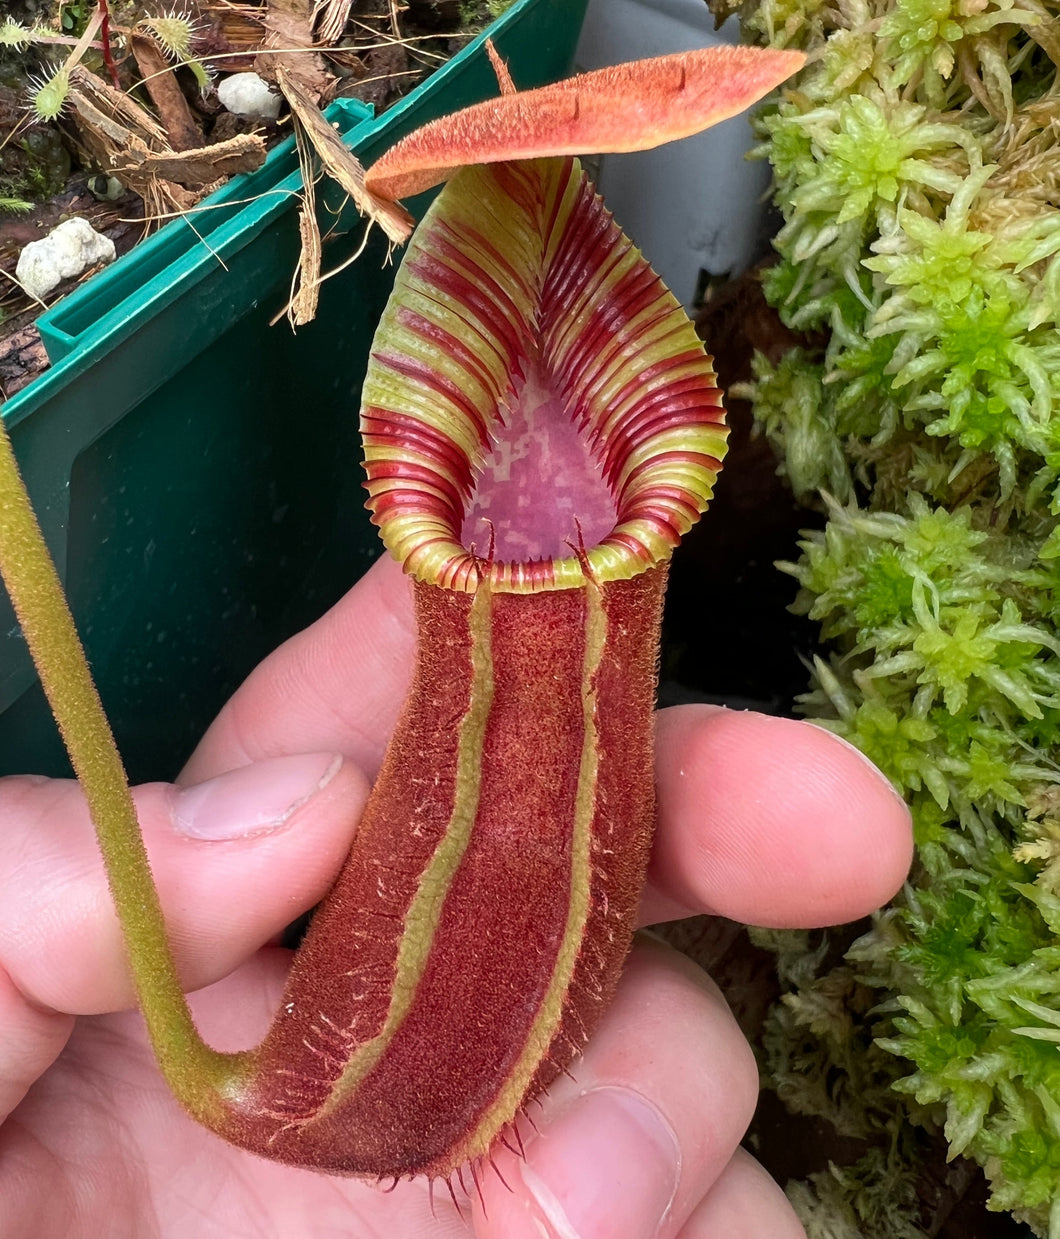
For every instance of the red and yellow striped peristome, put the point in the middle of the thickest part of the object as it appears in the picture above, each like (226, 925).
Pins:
(523, 284)
(533, 387)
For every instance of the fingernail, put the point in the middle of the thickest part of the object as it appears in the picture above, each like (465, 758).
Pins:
(605, 1167)
(254, 798)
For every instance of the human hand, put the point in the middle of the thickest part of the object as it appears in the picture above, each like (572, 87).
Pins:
(764, 820)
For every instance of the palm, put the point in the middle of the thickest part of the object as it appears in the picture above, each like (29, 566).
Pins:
(119, 1146)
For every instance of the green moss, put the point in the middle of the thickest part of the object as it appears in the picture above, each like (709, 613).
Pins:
(875, 1198)
(916, 168)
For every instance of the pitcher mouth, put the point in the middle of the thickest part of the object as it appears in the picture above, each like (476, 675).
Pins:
(538, 407)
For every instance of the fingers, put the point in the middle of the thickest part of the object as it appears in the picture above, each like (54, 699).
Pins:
(337, 686)
(762, 819)
(235, 860)
(102, 1125)
(30, 1041)
(770, 821)
(745, 1203)
(655, 1110)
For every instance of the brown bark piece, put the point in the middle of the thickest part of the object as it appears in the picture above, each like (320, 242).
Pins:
(126, 141)
(113, 112)
(290, 25)
(162, 85)
(236, 31)
(340, 163)
(22, 358)
(303, 307)
(119, 136)
(195, 169)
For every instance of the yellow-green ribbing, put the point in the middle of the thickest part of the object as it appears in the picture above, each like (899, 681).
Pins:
(425, 910)
(550, 1014)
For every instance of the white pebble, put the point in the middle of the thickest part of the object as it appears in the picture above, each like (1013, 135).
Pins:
(70, 248)
(246, 94)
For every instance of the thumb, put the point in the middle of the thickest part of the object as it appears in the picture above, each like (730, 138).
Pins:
(235, 859)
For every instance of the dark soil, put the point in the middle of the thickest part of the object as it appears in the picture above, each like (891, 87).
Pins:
(729, 635)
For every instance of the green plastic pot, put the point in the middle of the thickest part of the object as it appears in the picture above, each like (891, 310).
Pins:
(195, 470)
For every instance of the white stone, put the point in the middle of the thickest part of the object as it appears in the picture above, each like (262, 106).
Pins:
(246, 94)
(70, 248)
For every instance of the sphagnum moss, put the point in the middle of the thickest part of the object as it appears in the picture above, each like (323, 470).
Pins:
(917, 168)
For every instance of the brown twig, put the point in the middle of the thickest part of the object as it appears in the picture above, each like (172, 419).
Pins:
(172, 107)
(395, 24)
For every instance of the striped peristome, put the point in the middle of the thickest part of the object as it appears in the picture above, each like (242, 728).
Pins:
(541, 426)
(521, 264)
